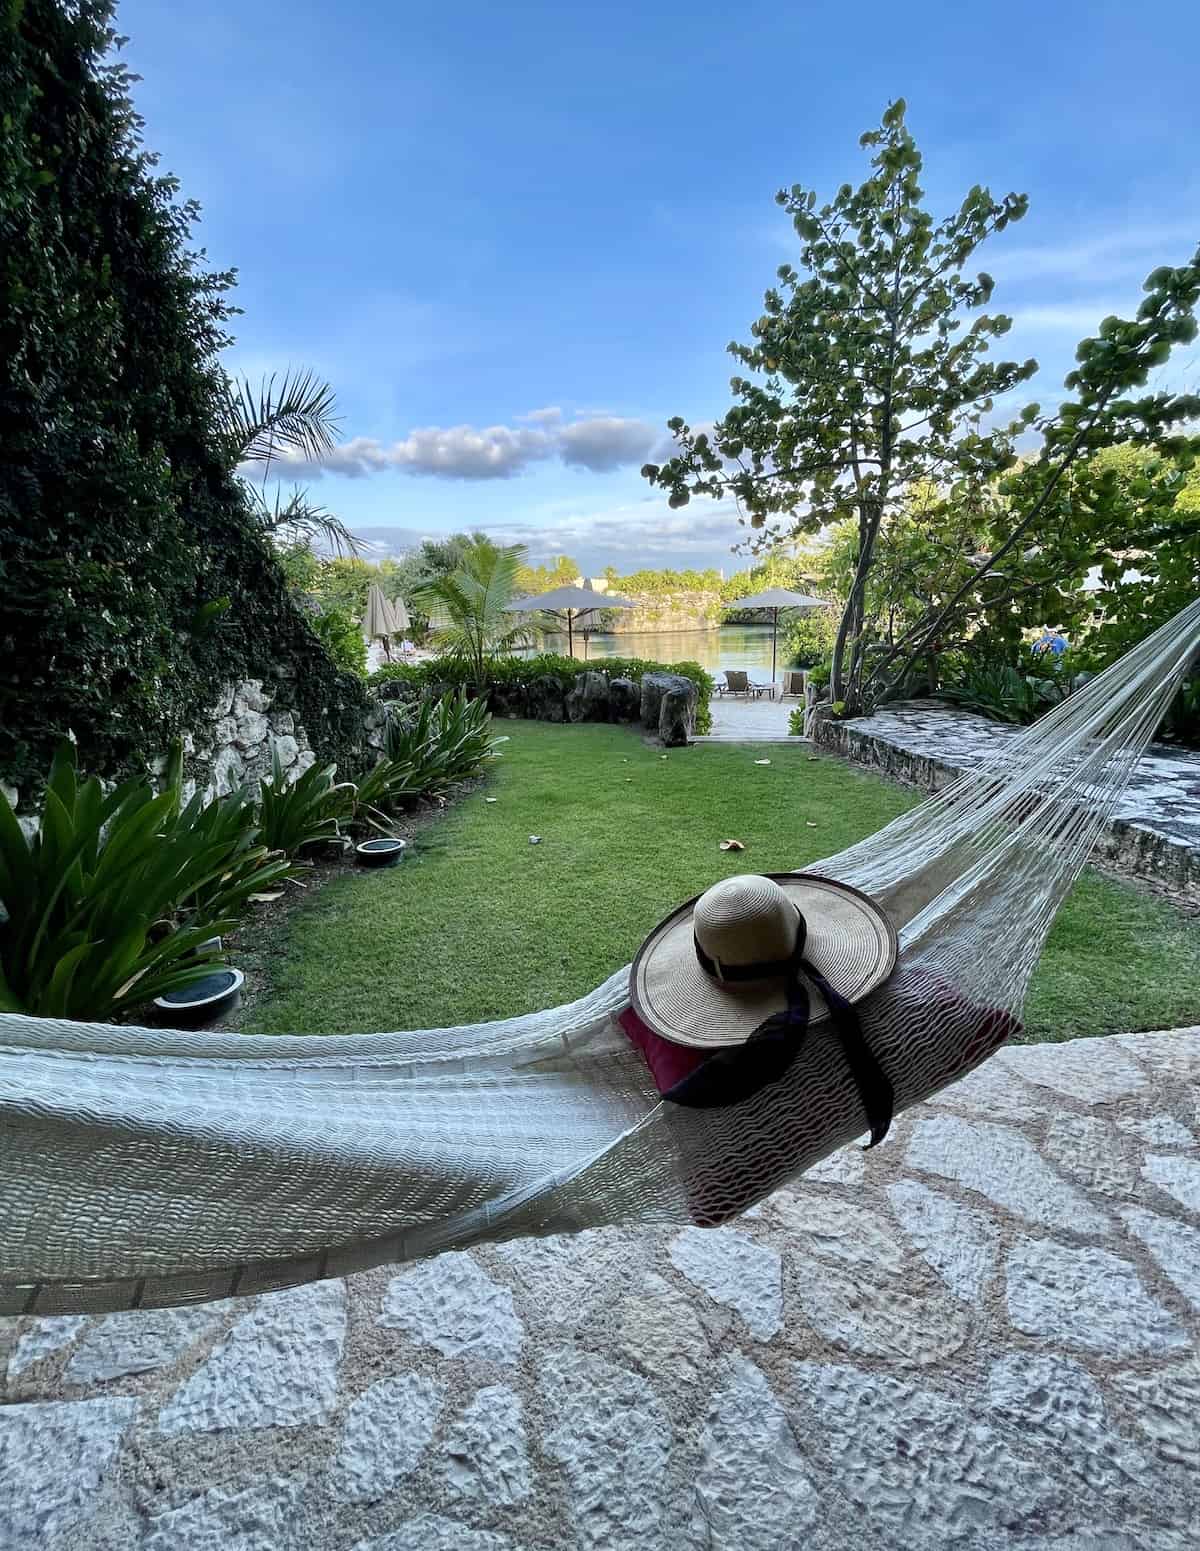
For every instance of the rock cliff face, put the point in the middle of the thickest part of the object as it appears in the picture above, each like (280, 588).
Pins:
(671, 611)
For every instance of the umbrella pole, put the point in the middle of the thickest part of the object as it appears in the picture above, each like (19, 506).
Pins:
(774, 640)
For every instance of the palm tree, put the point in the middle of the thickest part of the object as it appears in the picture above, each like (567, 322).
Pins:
(474, 597)
(294, 413)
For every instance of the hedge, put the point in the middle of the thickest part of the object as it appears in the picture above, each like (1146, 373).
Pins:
(133, 581)
(522, 670)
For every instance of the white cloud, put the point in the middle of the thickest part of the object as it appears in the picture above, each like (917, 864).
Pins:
(606, 442)
(637, 534)
(1134, 251)
(1076, 317)
(599, 443)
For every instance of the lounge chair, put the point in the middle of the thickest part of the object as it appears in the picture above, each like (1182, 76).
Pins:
(793, 683)
(737, 682)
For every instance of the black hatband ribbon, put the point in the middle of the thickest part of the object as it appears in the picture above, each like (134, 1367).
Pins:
(739, 1071)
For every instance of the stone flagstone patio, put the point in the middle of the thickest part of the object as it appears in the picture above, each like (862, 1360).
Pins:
(1154, 832)
(982, 1334)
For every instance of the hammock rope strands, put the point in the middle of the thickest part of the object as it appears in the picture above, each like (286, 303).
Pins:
(144, 1168)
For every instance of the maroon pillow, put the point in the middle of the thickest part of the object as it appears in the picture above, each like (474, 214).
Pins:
(668, 1063)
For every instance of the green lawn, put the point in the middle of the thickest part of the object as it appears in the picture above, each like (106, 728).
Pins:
(482, 924)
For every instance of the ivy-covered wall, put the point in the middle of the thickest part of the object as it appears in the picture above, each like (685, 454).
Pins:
(133, 583)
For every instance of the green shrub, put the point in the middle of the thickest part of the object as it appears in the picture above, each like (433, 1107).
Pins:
(503, 672)
(810, 638)
(107, 905)
(1005, 692)
(310, 809)
(442, 742)
(227, 826)
(338, 632)
(796, 722)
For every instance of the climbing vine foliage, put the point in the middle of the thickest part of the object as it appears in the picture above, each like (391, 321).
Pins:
(132, 582)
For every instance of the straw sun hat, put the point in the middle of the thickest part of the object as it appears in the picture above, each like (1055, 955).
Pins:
(715, 969)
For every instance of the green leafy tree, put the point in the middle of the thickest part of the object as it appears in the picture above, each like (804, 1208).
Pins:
(474, 597)
(340, 634)
(544, 578)
(873, 379)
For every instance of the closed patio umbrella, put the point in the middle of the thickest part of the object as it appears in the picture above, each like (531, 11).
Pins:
(776, 598)
(568, 603)
(383, 618)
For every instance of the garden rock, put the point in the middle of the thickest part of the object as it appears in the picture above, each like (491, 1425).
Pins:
(624, 700)
(547, 695)
(509, 700)
(588, 701)
(654, 687)
(677, 716)
(397, 689)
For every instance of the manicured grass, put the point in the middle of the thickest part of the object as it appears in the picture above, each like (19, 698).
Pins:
(482, 924)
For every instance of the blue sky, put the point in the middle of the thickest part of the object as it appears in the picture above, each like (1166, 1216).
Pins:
(517, 238)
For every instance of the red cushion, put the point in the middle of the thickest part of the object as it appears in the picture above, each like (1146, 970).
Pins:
(668, 1063)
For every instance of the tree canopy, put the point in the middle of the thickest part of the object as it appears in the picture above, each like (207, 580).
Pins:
(873, 390)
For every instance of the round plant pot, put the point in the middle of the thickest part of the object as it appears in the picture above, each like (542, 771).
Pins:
(204, 1000)
(384, 852)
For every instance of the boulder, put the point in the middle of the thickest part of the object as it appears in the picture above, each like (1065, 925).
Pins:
(397, 689)
(588, 701)
(654, 687)
(283, 723)
(624, 700)
(508, 700)
(677, 716)
(547, 698)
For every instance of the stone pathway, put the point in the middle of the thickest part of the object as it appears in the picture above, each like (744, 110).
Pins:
(737, 720)
(981, 1334)
(1156, 829)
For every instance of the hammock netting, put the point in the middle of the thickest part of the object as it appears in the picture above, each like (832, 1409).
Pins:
(144, 1167)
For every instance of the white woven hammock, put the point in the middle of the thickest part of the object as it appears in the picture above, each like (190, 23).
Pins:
(141, 1167)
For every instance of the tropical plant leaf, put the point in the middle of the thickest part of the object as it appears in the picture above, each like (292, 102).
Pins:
(292, 413)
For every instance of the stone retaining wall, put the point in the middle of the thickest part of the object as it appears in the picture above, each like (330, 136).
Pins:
(232, 747)
(1155, 833)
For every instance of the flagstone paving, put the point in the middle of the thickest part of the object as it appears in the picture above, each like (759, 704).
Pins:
(981, 1334)
(1155, 830)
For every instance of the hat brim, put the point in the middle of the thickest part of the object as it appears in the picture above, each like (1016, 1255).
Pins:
(851, 942)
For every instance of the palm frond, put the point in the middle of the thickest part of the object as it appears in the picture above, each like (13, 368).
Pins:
(292, 413)
(297, 519)
(475, 596)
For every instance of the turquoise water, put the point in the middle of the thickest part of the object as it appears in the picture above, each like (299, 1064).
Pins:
(731, 646)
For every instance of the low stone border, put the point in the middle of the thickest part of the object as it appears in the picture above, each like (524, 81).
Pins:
(1155, 833)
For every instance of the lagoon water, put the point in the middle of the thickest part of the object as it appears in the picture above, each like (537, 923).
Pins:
(730, 646)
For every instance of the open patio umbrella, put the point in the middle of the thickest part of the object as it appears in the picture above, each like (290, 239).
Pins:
(776, 598)
(568, 604)
(383, 618)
